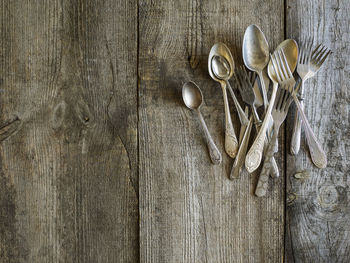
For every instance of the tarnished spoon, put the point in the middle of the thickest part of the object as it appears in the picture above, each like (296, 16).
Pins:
(221, 67)
(193, 98)
(256, 54)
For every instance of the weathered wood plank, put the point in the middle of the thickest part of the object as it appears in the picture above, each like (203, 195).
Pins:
(190, 211)
(318, 213)
(68, 188)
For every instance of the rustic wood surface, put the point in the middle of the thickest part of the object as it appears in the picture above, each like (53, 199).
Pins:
(318, 202)
(190, 211)
(101, 162)
(68, 174)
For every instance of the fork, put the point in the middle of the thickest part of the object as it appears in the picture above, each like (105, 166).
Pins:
(285, 76)
(244, 83)
(246, 90)
(279, 113)
(308, 65)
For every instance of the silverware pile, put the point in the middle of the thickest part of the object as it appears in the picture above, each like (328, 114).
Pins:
(249, 81)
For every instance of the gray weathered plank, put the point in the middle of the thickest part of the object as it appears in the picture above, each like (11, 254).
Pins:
(68, 188)
(189, 210)
(318, 213)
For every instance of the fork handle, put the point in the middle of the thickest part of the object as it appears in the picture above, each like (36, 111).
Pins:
(295, 142)
(261, 187)
(318, 156)
(274, 168)
(253, 158)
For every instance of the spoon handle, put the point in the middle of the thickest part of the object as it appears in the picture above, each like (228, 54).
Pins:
(318, 156)
(263, 89)
(231, 143)
(239, 161)
(295, 141)
(254, 155)
(214, 153)
(241, 114)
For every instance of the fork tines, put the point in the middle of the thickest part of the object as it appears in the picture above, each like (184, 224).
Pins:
(320, 54)
(305, 50)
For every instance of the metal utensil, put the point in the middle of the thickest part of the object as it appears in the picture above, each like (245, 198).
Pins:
(279, 113)
(308, 64)
(222, 70)
(219, 49)
(254, 156)
(245, 88)
(287, 81)
(193, 98)
(244, 84)
(256, 54)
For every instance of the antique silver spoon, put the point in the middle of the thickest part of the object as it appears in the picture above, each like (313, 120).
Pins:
(221, 67)
(193, 98)
(256, 54)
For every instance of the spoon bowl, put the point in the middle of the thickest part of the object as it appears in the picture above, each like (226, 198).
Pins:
(192, 95)
(220, 63)
(290, 49)
(221, 67)
(255, 49)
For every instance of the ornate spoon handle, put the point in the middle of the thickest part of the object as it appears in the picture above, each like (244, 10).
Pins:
(254, 155)
(231, 143)
(295, 142)
(214, 153)
(318, 156)
(261, 187)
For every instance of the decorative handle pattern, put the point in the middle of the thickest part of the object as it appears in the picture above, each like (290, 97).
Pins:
(231, 143)
(274, 168)
(261, 187)
(318, 156)
(254, 155)
(237, 165)
(214, 153)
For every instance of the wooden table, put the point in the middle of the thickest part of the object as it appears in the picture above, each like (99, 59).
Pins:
(101, 162)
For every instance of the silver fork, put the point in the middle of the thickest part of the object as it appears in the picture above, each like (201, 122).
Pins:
(317, 154)
(246, 90)
(308, 65)
(279, 113)
(244, 83)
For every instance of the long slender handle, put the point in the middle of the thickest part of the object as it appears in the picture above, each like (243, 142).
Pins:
(261, 187)
(318, 156)
(241, 114)
(254, 155)
(214, 153)
(239, 161)
(231, 143)
(263, 89)
(295, 142)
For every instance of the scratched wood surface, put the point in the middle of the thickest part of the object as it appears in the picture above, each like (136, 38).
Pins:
(68, 178)
(318, 207)
(189, 210)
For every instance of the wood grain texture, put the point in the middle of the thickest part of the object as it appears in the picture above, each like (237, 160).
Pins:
(318, 208)
(68, 152)
(189, 210)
